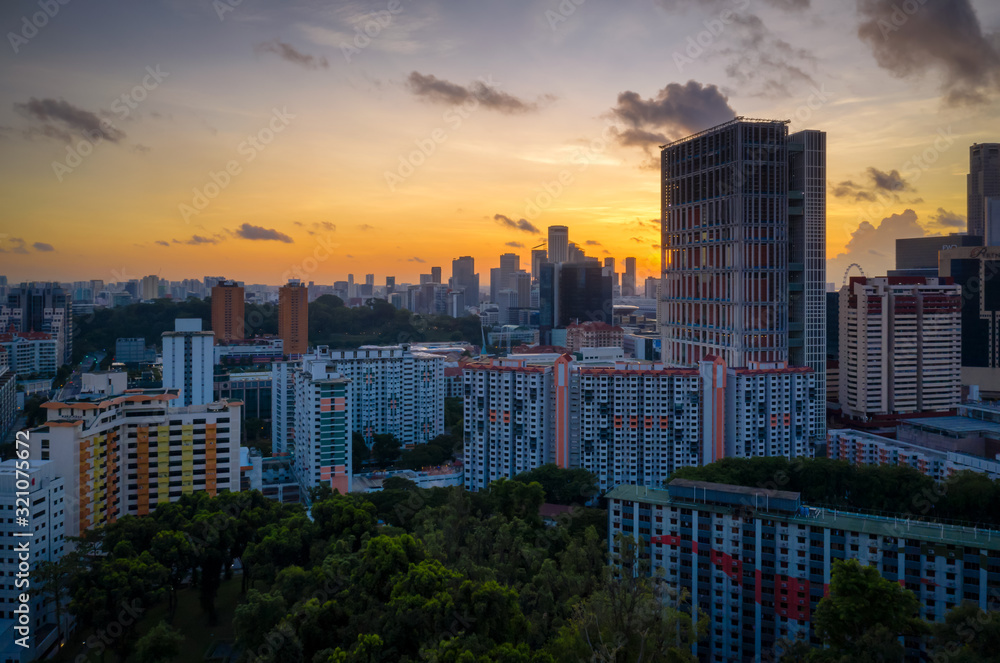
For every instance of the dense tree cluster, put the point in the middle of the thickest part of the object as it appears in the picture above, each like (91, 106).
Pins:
(330, 323)
(903, 491)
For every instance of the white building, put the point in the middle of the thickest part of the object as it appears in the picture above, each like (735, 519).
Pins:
(108, 383)
(269, 348)
(900, 346)
(771, 411)
(321, 441)
(126, 454)
(393, 390)
(31, 353)
(47, 506)
(188, 362)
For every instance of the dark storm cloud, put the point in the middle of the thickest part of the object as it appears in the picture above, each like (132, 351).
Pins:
(949, 219)
(676, 111)
(937, 35)
(289, 53)
(520, 224)
(249, 231)
(58, 119)
(879, 184)
(438, 90)
(43, 246)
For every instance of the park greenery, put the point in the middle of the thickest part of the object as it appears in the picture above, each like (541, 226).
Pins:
(442, 575)
(330, 323)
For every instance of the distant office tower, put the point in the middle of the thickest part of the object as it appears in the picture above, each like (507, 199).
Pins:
(609, 270)
(435, 275)
(520, 282)
(983, 182)
(392, 390)
(558, 246)
(900, 346)
(651, 287)
(124, 456)
(574, 253)
(571, 293)
(41, 307)
(322, 427)
(293, 316)
(918, 256)
(188, 362)
(370, 280)
(509, 263)
(149, 287)
(228, 321)
(628, 278)
(496, 284)
(464, 277)
(390, 285)
(538, 256)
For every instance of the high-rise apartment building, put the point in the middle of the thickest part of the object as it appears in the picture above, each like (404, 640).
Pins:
(628, 278)
(42, 497)
(392, 390)
(126, 454)
(900, 346)
(322, 427)
(31, 353)
(465, 278)
(757, 562)
(189, 362)
(744, 224)
(293, 316)
(983, 182)
(558, 244)
(41, 307)
(628, 421)
(228, 320)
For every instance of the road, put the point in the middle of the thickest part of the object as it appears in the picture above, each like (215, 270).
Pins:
(73, 385)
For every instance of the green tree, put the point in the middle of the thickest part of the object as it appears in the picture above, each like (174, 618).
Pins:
(360, 453)
(257, 617)
(160, 644)
(562, 486)
(173, 550)
(864, 616)
(385, 449)
(967, 635)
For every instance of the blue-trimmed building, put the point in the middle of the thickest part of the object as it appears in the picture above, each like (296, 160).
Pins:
(758, 561)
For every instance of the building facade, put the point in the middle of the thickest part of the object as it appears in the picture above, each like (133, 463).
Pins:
(757, 562)
(293, 317)
(188, 362)
(126, 454)
(558, 244)
(322, 427)
(41, 307)
(900, 349)
(983, 183)
(32, 353)
(593, 335)
(228, 318)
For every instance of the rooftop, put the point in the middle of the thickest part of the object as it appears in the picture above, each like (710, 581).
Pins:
(829, 518)
(954, 425)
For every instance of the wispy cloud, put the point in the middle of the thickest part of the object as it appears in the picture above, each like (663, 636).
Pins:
(59, 119)
(521, 224)
(249, 231)
(291, 54)
(438, 90)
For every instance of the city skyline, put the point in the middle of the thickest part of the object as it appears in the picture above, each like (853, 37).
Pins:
(550, 133)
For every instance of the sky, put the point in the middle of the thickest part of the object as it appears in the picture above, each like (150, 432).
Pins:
(263, 140)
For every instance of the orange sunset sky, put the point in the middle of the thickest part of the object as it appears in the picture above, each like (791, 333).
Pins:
(505, 97)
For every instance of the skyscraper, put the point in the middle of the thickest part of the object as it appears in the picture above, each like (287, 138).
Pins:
(983, 182)
(628, 278)
(390, 285)
(227, 312)
(293, 317)
(435, 275)
(736, 203)
(188, 362)
(509, 263)
(538, 256)
(558, 247)
(464, 277)
(571, 293)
